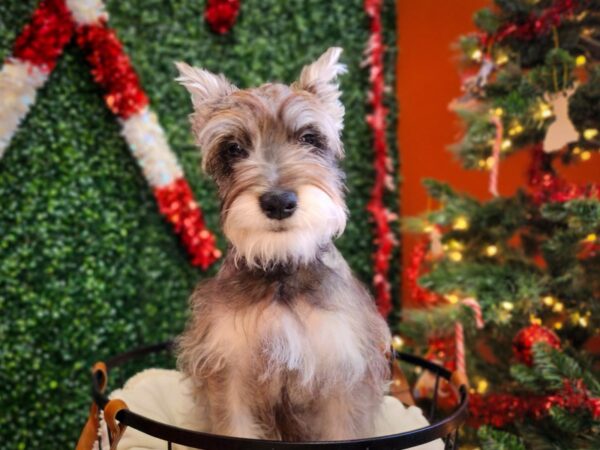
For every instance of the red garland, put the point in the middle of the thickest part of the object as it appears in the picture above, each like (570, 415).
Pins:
(500, 410)
(176, 202)
(547, 186)
(384, 238)
(42, 40)
(112, 69)
(414, 270)
(221, 14)
(534, 26)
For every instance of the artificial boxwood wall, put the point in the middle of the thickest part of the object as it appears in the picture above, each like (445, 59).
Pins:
(87, 266)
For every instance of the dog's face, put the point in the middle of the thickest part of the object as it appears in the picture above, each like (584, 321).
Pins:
(273, 152)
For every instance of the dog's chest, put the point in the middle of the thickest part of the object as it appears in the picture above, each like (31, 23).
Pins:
(310, 342)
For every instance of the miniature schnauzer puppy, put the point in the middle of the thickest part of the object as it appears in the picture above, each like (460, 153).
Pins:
(284, 343)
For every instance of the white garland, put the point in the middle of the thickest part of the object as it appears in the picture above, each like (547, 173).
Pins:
(87, 12)
(148, 144)
(19, 81)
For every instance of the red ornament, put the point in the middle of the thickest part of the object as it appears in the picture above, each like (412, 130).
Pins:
(527, 337)
(221, 14)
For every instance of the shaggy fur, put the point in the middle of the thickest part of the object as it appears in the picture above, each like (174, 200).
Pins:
(284, 339)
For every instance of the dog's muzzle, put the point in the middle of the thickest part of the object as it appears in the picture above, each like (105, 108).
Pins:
(278, 204)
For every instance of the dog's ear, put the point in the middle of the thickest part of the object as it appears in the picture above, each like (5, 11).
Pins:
(320, 78)
(203, 85)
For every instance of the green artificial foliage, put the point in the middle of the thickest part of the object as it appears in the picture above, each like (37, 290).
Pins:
(531, 259)
(88, 268)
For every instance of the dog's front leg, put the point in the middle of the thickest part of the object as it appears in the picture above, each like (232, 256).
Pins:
(230, 402)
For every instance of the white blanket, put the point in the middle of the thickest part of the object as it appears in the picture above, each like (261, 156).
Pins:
(165, 396)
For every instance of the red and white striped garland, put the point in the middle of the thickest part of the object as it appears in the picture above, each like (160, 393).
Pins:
(34, 56)
(384, 239)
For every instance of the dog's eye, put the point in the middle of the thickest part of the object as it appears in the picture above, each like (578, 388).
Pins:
(235, 151)
(312, 139)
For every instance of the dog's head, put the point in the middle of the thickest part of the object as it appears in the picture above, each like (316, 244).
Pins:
(273, 152)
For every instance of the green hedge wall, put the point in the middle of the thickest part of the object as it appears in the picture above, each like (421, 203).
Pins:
(87, 266)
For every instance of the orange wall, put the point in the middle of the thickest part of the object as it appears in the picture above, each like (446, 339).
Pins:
(427, 79)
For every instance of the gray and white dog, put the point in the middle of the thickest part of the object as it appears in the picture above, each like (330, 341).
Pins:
(284, 342)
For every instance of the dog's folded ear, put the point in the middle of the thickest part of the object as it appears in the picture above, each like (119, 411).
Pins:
(203, 85)
(320, 77)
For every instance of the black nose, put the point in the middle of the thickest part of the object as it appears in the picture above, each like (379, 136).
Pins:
(278, 204)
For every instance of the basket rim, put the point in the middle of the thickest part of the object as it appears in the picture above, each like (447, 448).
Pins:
(209, 441)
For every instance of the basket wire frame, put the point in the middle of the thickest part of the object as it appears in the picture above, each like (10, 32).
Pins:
(445, 429)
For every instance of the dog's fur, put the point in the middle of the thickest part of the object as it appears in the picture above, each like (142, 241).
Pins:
(286, 343)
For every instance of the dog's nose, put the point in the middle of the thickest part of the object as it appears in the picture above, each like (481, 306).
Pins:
(278, 204)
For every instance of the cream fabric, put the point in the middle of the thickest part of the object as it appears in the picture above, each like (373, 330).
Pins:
(165, 396)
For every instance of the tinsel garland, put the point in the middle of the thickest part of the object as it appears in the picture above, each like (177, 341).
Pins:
(500, 409)
(220, 15)
(384, 237)
(547, 186)
(414, 270)
(35, 53)
(534, 26)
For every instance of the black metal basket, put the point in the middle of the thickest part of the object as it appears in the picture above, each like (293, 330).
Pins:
(446, 428)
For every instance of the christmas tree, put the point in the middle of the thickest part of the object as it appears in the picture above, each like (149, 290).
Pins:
(509, 288)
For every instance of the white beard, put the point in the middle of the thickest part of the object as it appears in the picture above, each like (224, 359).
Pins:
(263, 242)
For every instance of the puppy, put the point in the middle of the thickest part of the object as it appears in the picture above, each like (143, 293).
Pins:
(284, 342)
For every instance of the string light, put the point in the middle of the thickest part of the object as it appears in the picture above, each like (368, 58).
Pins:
(544, 111)
(580, 60)
(585, 155)
(491, 250)
(455, 256)
(509, 306)
(460, 223)
(515, 128)
(576, 151)
(591, 237)
(534, 320)
(501, 58)
(428, 228)
(453, 244)
(452, 298)
(558, 307)
(506, 144)
(548, 300)
(489, 162)
(590, 133)
(397, 342)
(476, 54)
(481, 163)
(482, 386)
(558, 326)
(498, 112)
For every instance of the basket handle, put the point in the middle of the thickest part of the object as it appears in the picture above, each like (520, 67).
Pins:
(116, 428)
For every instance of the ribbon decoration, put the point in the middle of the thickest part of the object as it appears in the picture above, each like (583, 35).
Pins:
(35, 53)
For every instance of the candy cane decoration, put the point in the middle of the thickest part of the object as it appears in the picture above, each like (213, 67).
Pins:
(459, 334)
(36, 51)
(493, 188)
